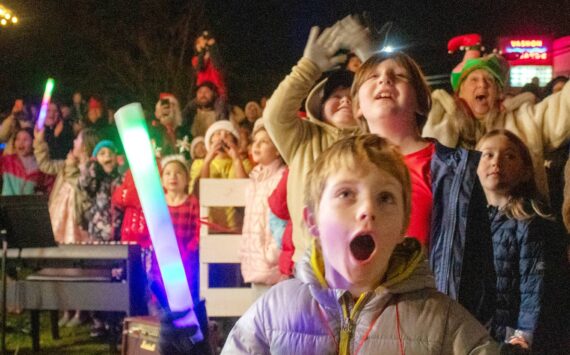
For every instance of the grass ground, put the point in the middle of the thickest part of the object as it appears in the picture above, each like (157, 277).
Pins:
(72, 340)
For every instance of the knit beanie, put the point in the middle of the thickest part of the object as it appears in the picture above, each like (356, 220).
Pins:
(94, 103)
(494, 64)
(257, 126)
(105, 143)
(195, 142)
(218, 125)
(324, 89)
(338, 79)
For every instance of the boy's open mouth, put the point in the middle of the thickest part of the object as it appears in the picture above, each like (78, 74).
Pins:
(362, 247)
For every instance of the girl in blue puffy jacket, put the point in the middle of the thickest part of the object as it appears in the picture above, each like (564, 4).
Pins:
(527, 246)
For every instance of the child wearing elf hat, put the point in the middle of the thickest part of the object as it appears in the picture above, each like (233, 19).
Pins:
(477, 106)
(222, 161)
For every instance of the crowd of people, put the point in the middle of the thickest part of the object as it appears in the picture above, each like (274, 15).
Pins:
(377, 206)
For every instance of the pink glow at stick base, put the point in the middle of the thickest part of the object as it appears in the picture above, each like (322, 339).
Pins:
(45, 103)
(134, 135)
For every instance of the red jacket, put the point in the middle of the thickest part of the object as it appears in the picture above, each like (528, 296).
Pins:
(206, 70)
(133, 228)
(278, 206)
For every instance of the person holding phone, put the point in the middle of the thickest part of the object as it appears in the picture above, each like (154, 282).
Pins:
(167, 130)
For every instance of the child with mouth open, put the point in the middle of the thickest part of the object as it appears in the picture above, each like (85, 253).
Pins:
(362, 287)
(392, 99)
(97, 179)
(20, 172)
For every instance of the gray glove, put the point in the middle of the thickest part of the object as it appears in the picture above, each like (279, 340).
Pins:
(321, 49)
(355, 37)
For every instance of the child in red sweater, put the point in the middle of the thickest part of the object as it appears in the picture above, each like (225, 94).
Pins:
(185, 214)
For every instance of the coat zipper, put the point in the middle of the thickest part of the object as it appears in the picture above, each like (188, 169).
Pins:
(349, 324)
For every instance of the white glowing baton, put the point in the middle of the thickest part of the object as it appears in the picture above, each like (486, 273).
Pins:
(45, 103)
(134, 135)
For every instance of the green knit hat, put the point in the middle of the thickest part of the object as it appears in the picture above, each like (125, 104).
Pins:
(492, 63)
(105, 143)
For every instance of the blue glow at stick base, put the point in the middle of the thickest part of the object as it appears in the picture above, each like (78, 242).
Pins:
(134, 135)
(45, 103)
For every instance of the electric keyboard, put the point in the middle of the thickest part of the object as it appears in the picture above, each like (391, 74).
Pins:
(78, 276)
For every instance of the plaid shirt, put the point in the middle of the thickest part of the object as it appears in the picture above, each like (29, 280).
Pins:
(186, 222)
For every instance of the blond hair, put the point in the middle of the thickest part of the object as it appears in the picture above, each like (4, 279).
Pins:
(417, 80)
(90, 138)
(352, 153)
(524, 201)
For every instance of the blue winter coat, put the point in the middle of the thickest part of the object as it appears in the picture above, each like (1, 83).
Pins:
(529, 262)
(461, 250)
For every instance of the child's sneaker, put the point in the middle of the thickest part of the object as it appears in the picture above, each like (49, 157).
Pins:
(98, 329)
(64, 319)
(74, 322)
(98, 332)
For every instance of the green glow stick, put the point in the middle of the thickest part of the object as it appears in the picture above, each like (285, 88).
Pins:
(134, 135)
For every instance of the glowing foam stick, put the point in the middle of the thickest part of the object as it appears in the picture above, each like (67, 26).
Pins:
(134, 135)
(45, 103)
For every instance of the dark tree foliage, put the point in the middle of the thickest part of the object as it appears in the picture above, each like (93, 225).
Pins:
(124, 50)
(145, 46)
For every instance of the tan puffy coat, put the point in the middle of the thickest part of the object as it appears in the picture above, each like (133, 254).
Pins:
(299, 141)
(66, 201)
(544, 126)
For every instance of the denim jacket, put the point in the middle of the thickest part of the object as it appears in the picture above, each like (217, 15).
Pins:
(461, 249)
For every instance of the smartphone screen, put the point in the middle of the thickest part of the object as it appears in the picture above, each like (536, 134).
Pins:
(19, 105)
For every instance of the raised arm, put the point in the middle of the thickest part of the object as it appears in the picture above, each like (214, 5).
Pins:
(552, 116)
(7, 127)
(280, 115)
(41, 152)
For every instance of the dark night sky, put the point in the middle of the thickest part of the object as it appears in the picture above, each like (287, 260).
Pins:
(263, 38)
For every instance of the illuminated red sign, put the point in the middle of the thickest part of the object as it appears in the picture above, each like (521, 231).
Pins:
(536, 50)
